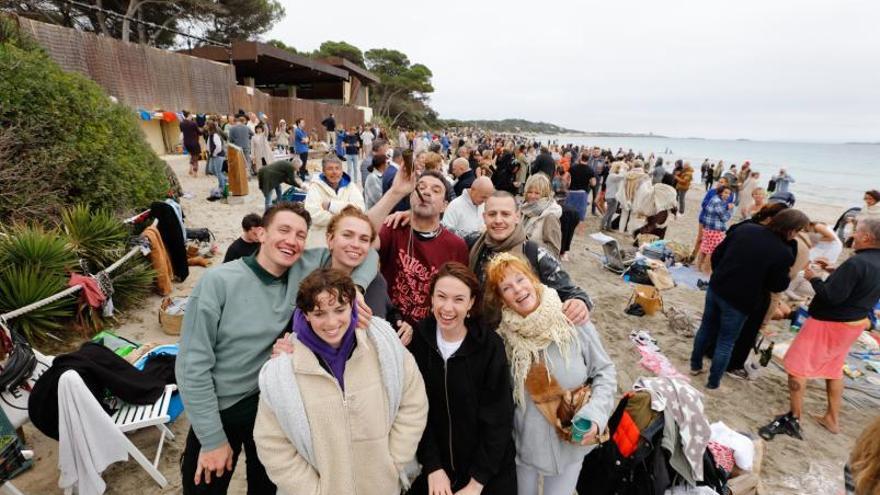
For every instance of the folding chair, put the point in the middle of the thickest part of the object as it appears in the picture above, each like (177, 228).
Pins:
(131, 417)
(616, 260)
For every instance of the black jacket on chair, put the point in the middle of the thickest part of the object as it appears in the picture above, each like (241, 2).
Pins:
(102, 371)
(470, 416)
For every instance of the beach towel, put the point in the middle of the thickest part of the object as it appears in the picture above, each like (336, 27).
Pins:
(683, 404)
(159, 260)
(88, 441)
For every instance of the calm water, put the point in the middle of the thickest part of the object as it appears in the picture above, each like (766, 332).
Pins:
(834, 174)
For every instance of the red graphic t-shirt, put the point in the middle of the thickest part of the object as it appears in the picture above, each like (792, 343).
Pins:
(408, 263)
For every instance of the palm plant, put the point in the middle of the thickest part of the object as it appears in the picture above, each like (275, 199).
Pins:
(132, 283)
(96, 236)
(23, 285)
(34, 246)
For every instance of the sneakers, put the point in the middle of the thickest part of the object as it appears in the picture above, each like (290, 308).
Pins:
(782, 425)
(702, 284)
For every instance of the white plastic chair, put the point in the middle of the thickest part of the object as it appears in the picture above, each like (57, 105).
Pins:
(131, 417)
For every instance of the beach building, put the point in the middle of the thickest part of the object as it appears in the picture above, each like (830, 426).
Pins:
(255, 77)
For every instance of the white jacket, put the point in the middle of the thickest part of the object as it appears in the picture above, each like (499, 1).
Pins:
(319, 191)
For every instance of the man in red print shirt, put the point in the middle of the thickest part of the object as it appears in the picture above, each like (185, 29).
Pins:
(410, 255)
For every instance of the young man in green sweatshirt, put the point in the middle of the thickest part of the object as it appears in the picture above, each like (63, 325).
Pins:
(233, 317)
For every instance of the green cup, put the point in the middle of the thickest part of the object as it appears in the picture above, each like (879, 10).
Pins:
(579, 428)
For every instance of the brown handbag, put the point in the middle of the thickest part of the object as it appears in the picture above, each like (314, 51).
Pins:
(556, 404)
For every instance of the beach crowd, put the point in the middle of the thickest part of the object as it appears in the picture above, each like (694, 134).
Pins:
(410, 324)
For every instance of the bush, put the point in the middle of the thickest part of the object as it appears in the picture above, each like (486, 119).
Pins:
(63, 141)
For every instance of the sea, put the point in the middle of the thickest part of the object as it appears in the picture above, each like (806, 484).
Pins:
(825, 173)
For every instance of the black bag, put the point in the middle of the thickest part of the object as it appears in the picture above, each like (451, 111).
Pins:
(203, 234)
(771, 186)
(606, 471)
(638, 273)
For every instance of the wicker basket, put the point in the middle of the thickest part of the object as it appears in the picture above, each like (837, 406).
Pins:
(170, 323)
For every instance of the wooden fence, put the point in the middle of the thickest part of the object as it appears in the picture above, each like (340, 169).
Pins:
(277, 107)
(145, 77)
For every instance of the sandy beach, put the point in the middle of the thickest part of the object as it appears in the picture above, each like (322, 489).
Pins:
(812, 466)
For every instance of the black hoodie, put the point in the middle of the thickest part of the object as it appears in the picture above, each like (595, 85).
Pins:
(470, 416)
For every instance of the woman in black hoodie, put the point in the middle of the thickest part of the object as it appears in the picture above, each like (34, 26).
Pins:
(467, 445)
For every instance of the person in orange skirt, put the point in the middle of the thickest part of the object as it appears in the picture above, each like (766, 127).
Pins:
(838, 315)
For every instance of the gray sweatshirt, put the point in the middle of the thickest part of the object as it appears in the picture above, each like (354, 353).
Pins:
(537, 444)
(233, 317)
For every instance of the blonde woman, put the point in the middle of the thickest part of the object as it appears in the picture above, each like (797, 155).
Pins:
(539, 339)
(541, 214)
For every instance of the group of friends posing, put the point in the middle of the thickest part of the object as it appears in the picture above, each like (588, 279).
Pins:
(415, 354)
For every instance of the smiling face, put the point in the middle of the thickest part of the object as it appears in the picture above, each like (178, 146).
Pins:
(349, 243)
(282, 242)
(330, 318)
(450, 302)
(501, 217)
(430, 200)
(332, 172)
(532, 195)
(517, 292)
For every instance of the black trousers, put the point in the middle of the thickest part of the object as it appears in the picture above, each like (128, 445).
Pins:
(238, 424)
(745, 343)
(304, 158)
(569, 222)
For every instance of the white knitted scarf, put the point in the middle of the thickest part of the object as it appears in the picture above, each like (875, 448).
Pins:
(526, 337)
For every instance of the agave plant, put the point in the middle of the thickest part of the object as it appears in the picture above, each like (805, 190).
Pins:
(96, 236)
(46, 250)
(23, 285)
(132, 283)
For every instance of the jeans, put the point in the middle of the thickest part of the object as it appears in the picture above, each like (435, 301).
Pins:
(681, 195)
(721, 324)
(563, 483)
(215, 166)
(610, 210)
(238, 424)
(268, 196)
(595, 190)
(354, 171)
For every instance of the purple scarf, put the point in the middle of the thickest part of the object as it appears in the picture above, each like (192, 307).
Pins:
(334, 358)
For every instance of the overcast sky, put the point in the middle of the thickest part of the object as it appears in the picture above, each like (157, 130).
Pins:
(780, 69)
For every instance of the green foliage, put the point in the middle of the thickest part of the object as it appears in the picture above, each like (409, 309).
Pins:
(35, 247)
(22, 285)
(62, 141)
(340, 49)
(283, 46)
(96, 236)
(132, 283)
(402, 95)
(243, 19)
(509, 125)
(221, 20)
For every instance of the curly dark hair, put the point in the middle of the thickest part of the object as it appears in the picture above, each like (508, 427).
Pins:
(334, 282)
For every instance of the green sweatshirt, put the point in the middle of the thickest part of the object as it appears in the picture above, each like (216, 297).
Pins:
(232, 319)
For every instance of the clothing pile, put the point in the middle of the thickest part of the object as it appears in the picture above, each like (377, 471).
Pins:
(658, 441)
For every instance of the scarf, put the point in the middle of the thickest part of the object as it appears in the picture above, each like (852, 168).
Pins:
(334, 358)
(536, 209)
(526, 337)
(516, 238)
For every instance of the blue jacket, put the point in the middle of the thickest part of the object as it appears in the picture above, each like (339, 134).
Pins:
(300, 146)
